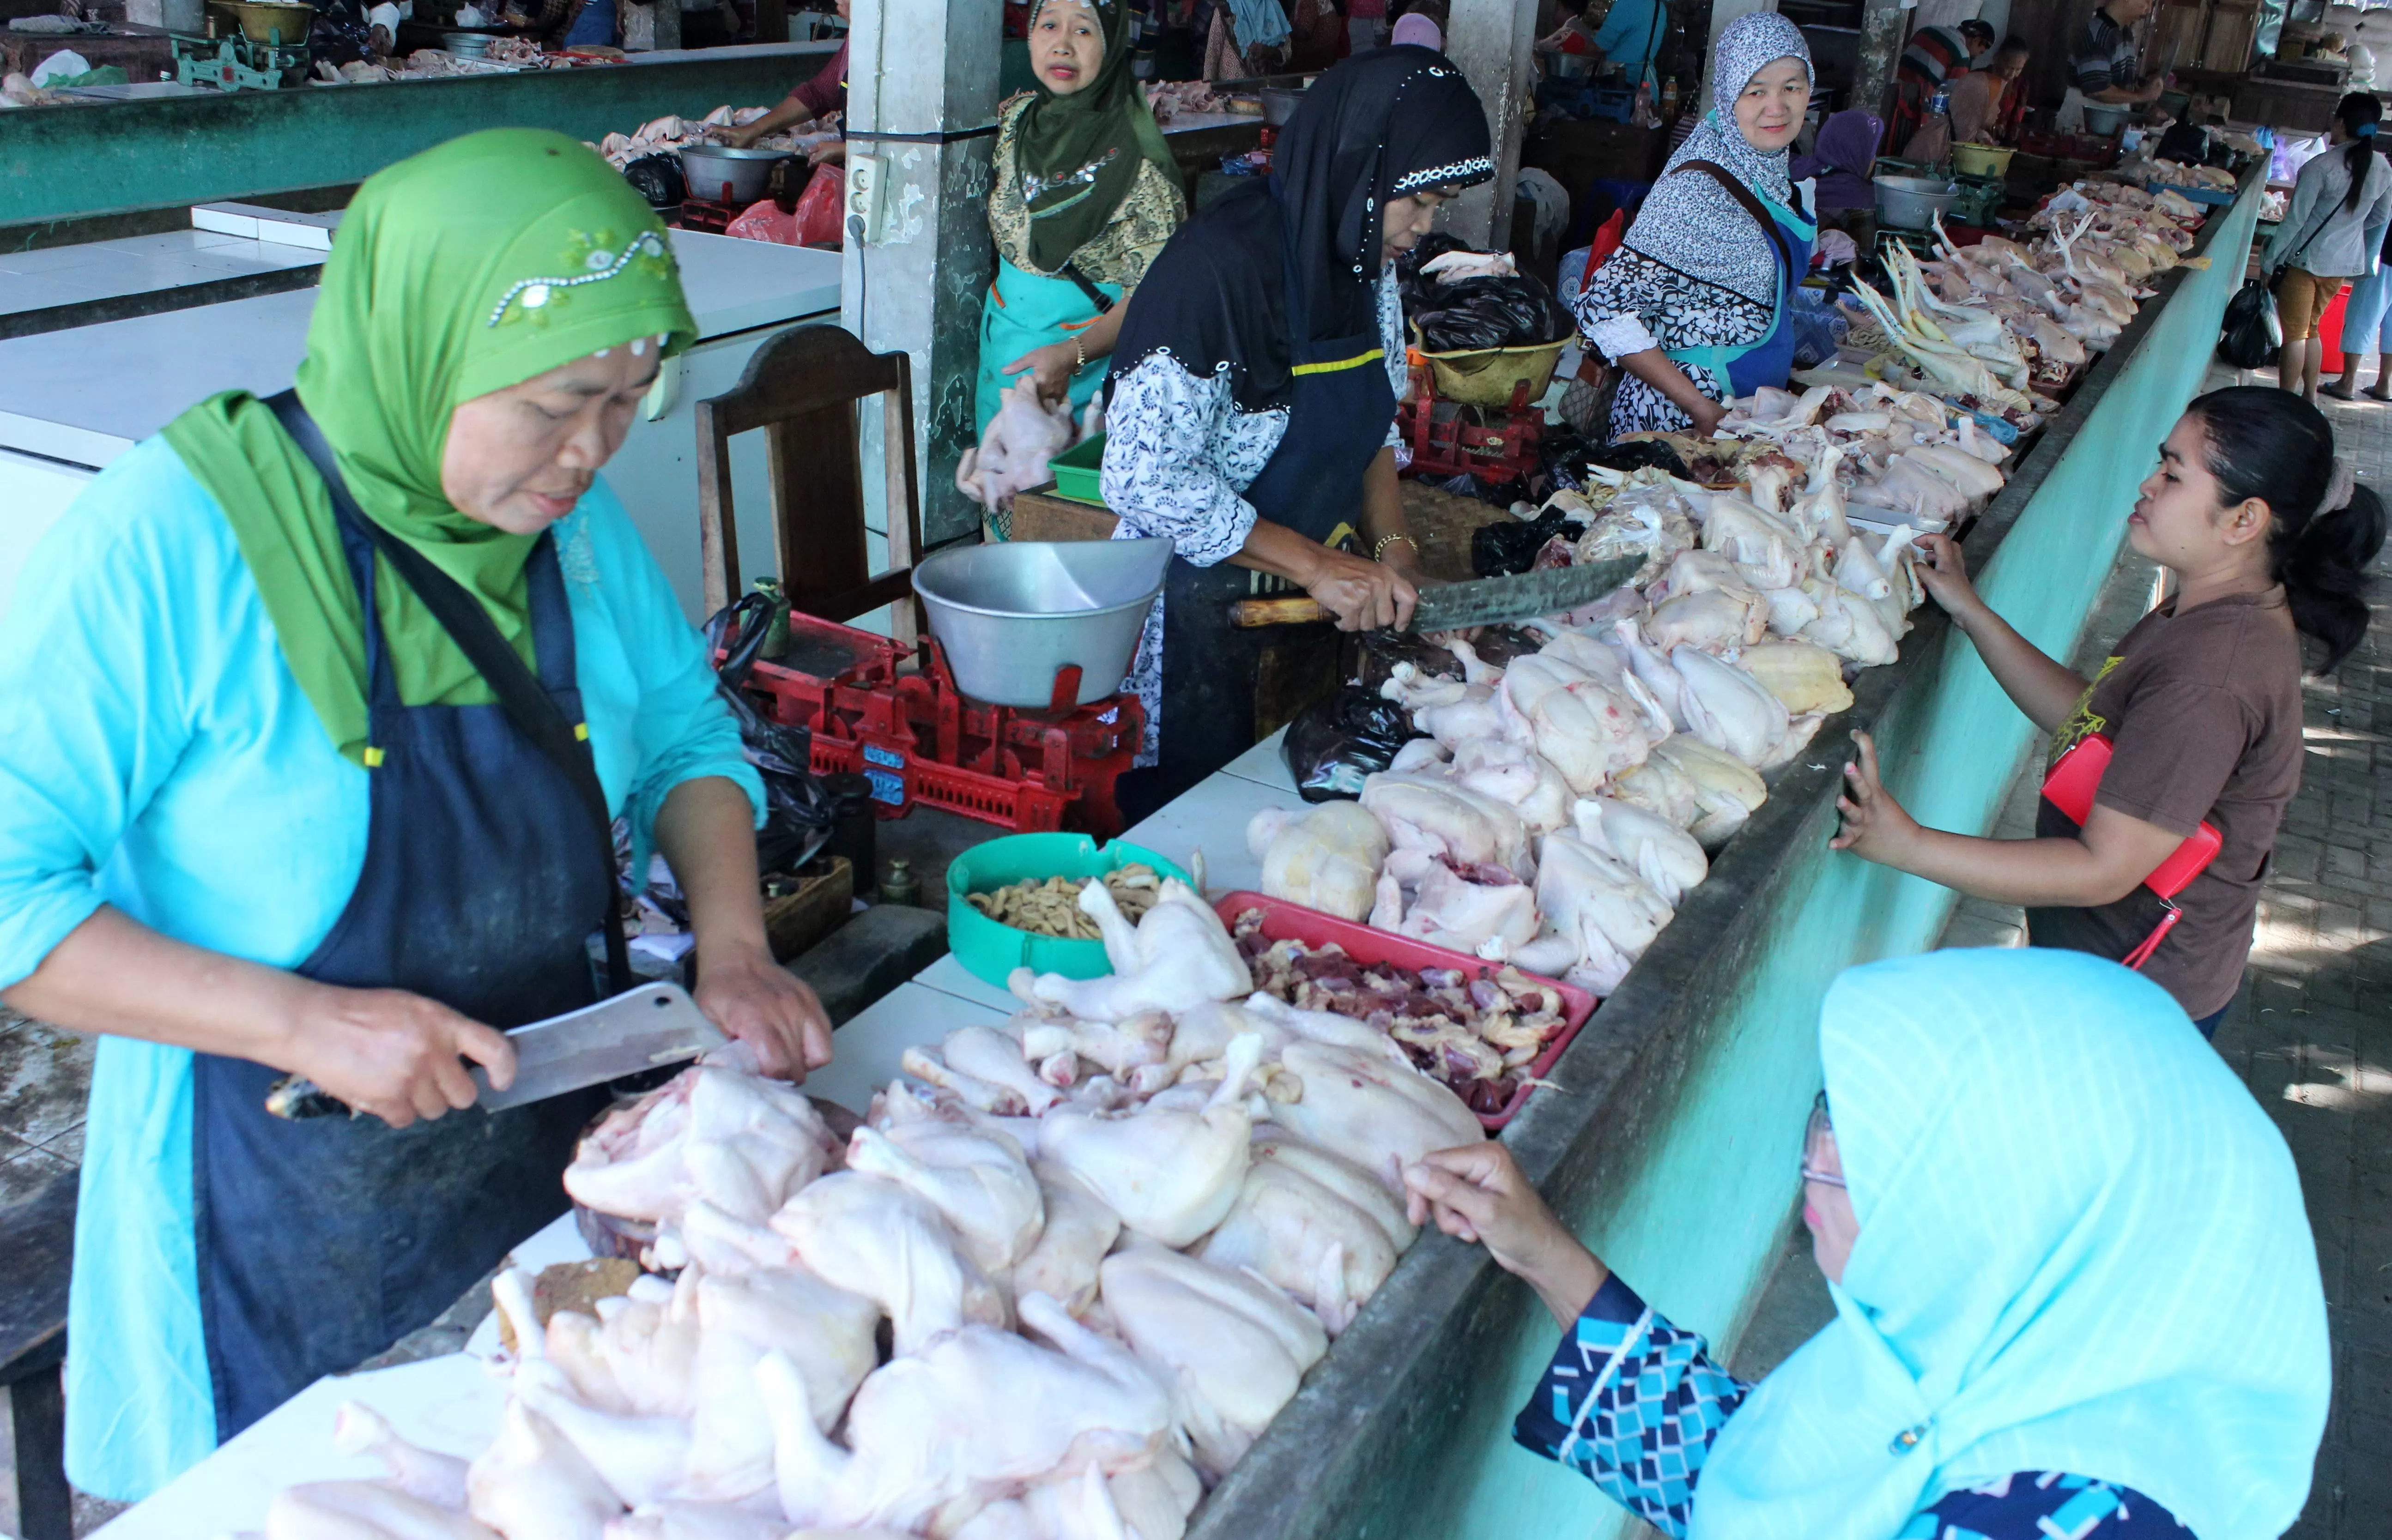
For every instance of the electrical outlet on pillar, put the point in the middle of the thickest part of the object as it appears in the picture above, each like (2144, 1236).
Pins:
(865, 222)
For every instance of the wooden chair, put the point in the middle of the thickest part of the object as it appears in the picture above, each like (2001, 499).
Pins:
(801, 389)
(37, 1236)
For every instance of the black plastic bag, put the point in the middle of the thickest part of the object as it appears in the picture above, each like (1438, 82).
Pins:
(2251, 333)
(338, 33)
(1510, 546)
(798, 812)
(1639, 454)
(1475, 315)
(658, 179)
(1339, 739)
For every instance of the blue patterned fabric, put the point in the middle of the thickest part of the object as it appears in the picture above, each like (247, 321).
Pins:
(1634, 1403)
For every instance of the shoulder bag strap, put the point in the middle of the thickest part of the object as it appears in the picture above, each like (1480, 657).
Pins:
(2294, 253)
(1098, 297)
(530, 706)
(1742, 194)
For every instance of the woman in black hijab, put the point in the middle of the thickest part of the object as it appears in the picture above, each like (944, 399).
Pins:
(1252, 418)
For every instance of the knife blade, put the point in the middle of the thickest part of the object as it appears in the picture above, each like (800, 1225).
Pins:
(1482, 601)
(649, 1027)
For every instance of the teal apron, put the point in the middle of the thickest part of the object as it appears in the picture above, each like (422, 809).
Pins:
(1024, 311)
(1768, 359)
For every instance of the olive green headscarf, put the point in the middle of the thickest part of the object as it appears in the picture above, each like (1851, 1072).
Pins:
(1078, 155)
(465, 270)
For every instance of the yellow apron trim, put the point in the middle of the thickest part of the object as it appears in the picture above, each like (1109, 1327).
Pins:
(1342, 364)
(373, 757)
(582, 732)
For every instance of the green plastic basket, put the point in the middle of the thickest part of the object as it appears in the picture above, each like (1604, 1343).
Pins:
(991, 951)
(1079, 471)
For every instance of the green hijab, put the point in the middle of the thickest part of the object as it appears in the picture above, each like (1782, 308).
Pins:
(465, 270)
(1077, 156)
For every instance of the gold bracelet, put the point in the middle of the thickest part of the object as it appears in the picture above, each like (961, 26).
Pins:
(1379, 552)
(1080, 346)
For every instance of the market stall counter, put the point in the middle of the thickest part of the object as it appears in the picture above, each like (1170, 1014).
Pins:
(1667, 1131)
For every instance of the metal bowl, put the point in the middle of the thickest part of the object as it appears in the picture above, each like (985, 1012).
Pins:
(1912, 202)
(710, 168)
(466, 45)
(1010, 614)
(276, 24)
(2105, 119)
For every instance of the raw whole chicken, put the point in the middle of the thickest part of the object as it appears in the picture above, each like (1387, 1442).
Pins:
(1381, 1115)
(1433, 814)
(1514, 773)
(1849, 625)
(1586, 729)
(1326, 859)
(1307, 1239)
(532, 1484)
(423, 1474)
(1714, 620)
(1014, 451)
(1754, 540)
(741, 1143)
(1450, 711)
(1669, 859)
(1597, 910)
(987, 1068)
(1080, 1230)
(1486, 912)
(871, 1237)
(365, 1510)
(1806, 677)
(1178, 956)
(976, 1416)
(1231, 1348)
(975, 1177)
(1726, 789)
(1727, 708)
(1170, 1174)
(1701, 572)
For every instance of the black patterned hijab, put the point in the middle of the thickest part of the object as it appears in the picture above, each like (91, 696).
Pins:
(1379, 126)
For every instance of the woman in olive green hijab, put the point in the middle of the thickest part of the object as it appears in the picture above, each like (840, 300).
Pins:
(304, 781)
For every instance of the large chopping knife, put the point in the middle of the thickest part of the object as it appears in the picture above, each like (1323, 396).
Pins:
(1457, 606)
(643, 1028)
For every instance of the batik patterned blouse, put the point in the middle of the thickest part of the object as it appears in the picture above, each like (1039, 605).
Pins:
(1634, 1403)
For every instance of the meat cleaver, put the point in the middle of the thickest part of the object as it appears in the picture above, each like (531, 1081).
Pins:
(1457, 606)
(643, 1028)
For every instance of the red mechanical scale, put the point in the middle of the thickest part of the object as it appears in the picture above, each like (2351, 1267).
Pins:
(919, 739)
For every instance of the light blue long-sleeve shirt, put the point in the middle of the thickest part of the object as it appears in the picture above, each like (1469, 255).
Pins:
(156, 753)
(1631, 35)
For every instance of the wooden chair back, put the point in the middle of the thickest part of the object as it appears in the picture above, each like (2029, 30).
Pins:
(802, 389)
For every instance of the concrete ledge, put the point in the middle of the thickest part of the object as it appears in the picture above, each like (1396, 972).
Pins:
(870, 955)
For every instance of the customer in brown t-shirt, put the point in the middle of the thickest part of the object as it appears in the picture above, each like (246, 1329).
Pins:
(2264, 537)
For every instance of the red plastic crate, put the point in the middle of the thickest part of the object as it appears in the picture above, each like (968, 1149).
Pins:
(1459, 443)
(1284, 921)
(919, 739)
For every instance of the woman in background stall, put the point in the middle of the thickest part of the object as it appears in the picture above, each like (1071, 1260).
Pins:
(1083, 194)
(805, 107)
(2265, 536)
(2034, 1337)
(2340, 213)
(1695, 304)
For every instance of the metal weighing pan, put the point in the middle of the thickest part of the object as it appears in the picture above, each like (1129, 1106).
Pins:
(1012, 613)
(710, 168)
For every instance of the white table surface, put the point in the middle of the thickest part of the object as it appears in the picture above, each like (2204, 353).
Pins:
(136, 264)
(453, 1403)
(88, 393)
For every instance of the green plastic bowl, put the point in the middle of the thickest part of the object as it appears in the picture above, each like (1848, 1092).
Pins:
(991, 951)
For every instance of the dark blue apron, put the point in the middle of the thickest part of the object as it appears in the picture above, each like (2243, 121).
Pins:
(322, 1242)
(1338, 416)
(1769, 360)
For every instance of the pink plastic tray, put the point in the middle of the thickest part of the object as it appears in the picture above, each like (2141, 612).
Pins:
(1284, 921)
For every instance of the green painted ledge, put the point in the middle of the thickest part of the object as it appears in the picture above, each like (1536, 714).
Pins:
(1671, 1136)
(63, 163)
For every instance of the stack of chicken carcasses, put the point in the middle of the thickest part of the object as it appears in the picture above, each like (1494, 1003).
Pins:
(1107, 1237)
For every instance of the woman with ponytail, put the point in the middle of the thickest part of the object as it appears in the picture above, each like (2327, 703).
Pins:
(2340, 207)
(2266, 538)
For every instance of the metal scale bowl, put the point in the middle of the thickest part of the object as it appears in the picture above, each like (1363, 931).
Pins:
(255, 57)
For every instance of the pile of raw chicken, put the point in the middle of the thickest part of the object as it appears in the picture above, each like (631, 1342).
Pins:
(1107, 1237)
(1992, 324)
(672, 132)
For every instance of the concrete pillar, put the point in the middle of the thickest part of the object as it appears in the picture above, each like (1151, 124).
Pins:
(1491, 41)
(921, 116)
(1885, 27)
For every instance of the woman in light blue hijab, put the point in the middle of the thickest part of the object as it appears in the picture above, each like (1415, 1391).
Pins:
(2075, 1291)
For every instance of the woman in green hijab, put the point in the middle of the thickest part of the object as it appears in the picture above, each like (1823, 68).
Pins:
(1085, 193)
(314, 716)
